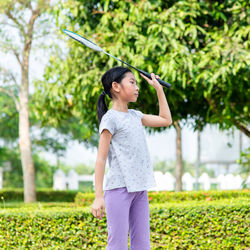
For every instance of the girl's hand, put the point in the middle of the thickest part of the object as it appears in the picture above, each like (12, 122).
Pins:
(153, 82)
(98, 208)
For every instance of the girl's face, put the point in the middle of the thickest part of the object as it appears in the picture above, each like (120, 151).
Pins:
(129, 91)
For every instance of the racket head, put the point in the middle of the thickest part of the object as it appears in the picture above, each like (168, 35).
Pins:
(82, 40)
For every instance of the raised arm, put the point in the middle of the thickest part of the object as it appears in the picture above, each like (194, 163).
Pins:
(164, 118)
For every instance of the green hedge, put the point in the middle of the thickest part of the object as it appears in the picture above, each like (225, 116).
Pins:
(154, 197)
(167, 196)
(202, 227)
(218, 224)
(42, 195)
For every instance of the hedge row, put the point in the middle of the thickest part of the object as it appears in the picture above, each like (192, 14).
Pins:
(42, 195)
(221, 224)
(167, 196)
(154, 197)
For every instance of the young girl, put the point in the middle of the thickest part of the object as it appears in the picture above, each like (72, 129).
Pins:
(130, 174)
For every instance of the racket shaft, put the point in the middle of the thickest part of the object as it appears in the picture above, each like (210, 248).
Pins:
(165, 84)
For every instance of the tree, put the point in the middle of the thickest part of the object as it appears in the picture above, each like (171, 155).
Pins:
(222, 65)
(8, 118)
(182, 41)
(13, 16)
(12, 177)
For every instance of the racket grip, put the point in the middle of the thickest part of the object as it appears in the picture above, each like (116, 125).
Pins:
(165, 84)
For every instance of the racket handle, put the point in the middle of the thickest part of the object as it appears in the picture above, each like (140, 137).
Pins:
(165, 84)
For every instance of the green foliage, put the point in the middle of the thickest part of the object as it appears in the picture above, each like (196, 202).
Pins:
(14, 178)
(245, 160)
(244, 163)
(8, 119)
(9, 128)
(164, 166)
(17, 34)
(219, 224)
(86, 199)
(169, 166)
(44, 172)
(84, 169)
(43, 194)
(81, 169)
(201, 47)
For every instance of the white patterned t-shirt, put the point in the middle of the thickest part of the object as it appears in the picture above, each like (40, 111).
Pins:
(129, 160)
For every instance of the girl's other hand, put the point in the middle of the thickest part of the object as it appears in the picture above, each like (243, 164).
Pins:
(153, 82)
(98, 208)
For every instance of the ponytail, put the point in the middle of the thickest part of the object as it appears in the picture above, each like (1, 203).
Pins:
(101, 106)
(115, 74)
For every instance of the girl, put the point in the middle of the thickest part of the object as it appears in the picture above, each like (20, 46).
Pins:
(130, 173)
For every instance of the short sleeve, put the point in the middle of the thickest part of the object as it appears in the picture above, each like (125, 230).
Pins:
(108, 123)
(138, 113)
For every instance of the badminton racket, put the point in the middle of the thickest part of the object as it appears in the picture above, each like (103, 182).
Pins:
(95, 47)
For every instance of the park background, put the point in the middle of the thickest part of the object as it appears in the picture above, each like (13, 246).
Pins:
(200, 47)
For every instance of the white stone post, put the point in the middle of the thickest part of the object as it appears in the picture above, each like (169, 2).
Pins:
(205, 180)
(59, 180)
(188, 182)
(72, 180)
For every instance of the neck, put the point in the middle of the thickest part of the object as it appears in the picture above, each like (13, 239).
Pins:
(120, 106)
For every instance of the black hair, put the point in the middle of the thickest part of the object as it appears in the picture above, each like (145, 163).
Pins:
(112, 75)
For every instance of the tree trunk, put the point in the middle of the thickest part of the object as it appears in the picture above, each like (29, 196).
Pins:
(24, 126)
(240, 142)
(243, 128)
(24, 137)
(197, 165)
(179, 162)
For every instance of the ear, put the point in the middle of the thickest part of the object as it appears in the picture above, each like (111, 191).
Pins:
(116, 86)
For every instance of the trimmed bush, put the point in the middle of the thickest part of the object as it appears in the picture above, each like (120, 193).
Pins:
(167, 196)
(42, 195)
(218, 224)
(87, 198)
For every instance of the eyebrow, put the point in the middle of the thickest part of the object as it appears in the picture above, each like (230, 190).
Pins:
(132, 79)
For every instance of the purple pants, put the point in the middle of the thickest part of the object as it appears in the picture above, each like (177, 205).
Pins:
(127, 212)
